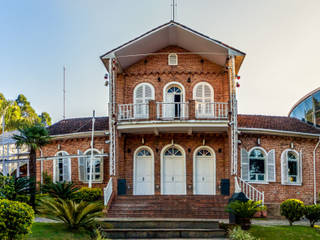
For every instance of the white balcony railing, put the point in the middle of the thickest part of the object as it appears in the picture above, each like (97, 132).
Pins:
(251, 192)
(107, 192)
(133, 111)
(212, 110)
(172, 110)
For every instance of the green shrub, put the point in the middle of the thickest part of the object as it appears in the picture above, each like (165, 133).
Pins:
(312, 213)
(63, 190)
(74, 215)
(23, 198)
(238, 234)
(6, 187)
(14, 188)
(15, 219)
(87, 194)
(245, 209)
(292, 209)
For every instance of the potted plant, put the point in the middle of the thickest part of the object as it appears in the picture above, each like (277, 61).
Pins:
(244, 211)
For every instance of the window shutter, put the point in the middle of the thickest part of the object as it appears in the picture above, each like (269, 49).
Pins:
(147, 92)
(207, 91)
(284, 168)
(271, 166)
(244, 164)
(300, 167)
(66, 169)
(55, 169)
(82, 167)
(199, 91)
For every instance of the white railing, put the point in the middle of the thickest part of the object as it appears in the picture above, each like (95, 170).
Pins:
(212, 110)
(172, 110)
(251, 192)
(133, 111)
(107, 192)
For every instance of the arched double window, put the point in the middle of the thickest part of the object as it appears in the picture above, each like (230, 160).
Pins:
(257, 165)
(291, 167)
(85, 165)
(62, 168)
(143, 93)
(203, 96)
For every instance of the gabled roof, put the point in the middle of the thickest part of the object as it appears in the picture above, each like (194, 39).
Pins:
(173, 34)
(276, 123)
(78, 125)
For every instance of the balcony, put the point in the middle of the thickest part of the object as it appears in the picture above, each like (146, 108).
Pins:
(173, 116)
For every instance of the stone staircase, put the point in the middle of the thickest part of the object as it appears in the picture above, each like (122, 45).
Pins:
(169, 206)
(160, 228)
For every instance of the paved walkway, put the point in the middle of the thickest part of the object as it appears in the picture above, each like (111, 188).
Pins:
(272, 222)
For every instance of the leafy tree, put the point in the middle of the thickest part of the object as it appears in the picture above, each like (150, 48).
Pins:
(19, 112)
(34, 137)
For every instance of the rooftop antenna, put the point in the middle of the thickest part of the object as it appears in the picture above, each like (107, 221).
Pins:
(64, 92)
(173, 5)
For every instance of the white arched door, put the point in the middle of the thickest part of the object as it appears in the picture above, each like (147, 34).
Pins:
(143, 172)
(204, 172)
(143, 93)
(173, 99)
(203, 95)
(173, 172)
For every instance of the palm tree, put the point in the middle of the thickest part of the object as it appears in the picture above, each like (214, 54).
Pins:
(34, 137)
(74, 215)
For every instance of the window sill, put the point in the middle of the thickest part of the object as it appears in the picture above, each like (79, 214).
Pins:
(257, 182)
(291, 184)
(100, 181)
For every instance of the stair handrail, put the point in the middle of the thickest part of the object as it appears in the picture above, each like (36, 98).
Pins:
(108, 190)
(250, 191)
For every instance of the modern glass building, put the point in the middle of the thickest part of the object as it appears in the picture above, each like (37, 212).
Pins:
(307, 109)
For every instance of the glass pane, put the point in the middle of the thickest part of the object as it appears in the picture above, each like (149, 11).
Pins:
(256, 166)
(316, 102)
(292, 168)
(308, 110)
(256, 153)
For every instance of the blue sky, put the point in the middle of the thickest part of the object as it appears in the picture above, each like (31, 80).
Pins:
(281, 39)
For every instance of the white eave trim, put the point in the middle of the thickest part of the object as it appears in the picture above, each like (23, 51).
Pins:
(278, 132)
(80, 134)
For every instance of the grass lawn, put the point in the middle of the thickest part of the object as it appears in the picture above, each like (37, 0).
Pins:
(54, 231)
(284, 232)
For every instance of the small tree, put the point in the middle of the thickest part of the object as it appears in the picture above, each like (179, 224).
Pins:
(15, 219)
(34, 137)
(312, 213)
(292, 209)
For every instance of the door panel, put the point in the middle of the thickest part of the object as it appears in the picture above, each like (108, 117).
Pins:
(144, 179)
(204, 175)
(174, 175)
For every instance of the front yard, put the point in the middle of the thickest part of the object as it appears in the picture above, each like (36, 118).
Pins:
(285, 232)
(55, 231)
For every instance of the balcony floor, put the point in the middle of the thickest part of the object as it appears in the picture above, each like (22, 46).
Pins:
(174, 126)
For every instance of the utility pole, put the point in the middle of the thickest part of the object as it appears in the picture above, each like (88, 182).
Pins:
(3, 160)
(64, 92)
(91, 157)
(173, 5)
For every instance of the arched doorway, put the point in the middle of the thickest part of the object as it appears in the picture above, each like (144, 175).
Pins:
(174, 101)
(143, 172)
(204, 171)
(173, 171)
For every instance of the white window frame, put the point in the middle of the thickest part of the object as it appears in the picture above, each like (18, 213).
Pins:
(265, 181)
(169, 59)
(55, 162)
(93, 169)
(284, 157)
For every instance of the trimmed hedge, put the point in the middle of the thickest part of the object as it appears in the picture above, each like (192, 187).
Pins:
(15, 219)
(292, 209)
(87, 194)
(312, 213)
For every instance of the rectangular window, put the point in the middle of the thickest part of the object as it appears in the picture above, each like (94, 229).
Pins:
(292, 171)
(96, 169)
(257, 170)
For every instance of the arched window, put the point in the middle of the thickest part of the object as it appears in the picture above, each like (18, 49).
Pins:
(173, 59)
(257, 163)
(291, 168)
(143, 93)
(172, 151)
(62, 168)
(203, 95)
(97, 167)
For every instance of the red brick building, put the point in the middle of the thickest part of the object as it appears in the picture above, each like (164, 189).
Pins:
(174, 145)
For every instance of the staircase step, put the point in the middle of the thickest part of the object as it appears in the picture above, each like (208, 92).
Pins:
(162, 233)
